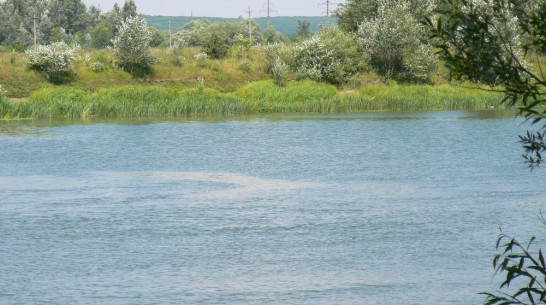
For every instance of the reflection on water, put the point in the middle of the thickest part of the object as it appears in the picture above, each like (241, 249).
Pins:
(35, 127)
(383, 208)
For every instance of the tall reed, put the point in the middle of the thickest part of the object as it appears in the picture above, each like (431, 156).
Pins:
(258, 97)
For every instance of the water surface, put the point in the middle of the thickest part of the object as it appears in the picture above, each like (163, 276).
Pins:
(398, 208)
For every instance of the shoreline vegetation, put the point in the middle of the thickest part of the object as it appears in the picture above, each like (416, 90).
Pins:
(182, 86)
(377, 58)
(255, 98)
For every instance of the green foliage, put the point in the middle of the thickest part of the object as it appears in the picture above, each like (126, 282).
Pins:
(245, 65)
(157, 37)
(69, 15)
(286, 25)
(272, 53)
(521, 266)
(279, 71)
(393, 41)
(95, 66)
(331, 55)
(304, 29)
(101, 35)
(129, 10)
(2, 92)
(272, 36)
(478, 40)
(54, 61)
(257, 97)
(217, 41)
(351, 13)
(132, 47)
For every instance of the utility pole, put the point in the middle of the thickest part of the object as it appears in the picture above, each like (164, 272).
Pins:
(170, 36)
(249, 23)
(35, 36)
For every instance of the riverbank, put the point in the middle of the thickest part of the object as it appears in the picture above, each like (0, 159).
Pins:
(258, 97)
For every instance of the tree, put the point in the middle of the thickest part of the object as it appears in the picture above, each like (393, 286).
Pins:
(101, 35)
(393, 41)
(70, 15)
(17, 22)
(129, 10)
(353, 12)
(217, 40)
(304, 29)
(157, 37)
(95, 16)
(494, 37)
(272, 36)
(115, 18)
(132, 47)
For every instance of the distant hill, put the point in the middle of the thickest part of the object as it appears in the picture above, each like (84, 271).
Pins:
(285, 25)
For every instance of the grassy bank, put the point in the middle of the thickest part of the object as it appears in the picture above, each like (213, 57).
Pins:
(257, 97)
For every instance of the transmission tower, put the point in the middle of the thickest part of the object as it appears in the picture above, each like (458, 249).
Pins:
(328, 3)
(268, 10)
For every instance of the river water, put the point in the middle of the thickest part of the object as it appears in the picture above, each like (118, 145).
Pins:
(398, 208)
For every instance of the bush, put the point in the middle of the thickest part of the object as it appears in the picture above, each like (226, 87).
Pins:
(245, 65)
(273, 52)
(393, 41)
(132, 47)
(201, 58)
(331, 55)
(2, 92)
(279, 71)
(95, 66)
(54, 61)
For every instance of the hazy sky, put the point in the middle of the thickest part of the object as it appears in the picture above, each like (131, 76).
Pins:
(222, 8)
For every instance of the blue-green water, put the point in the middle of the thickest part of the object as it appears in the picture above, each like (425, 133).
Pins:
(335, 209)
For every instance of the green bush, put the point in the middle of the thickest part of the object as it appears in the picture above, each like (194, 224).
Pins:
(272, 52)
(331, 55)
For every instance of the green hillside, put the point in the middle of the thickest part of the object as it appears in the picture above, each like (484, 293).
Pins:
(285, 25)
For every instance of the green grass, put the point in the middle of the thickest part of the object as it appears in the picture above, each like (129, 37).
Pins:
(257, 97)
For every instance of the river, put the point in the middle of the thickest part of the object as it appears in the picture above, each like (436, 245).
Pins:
(388, 208)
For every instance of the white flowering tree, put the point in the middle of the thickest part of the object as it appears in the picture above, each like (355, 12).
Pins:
(393, 40)
(53, 61)
(132, 47)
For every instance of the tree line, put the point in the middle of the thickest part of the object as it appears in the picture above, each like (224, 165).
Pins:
(70, 21)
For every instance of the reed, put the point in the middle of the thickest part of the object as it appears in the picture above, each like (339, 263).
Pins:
(258, 97)
(396, 97)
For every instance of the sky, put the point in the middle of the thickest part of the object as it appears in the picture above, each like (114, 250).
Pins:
(223, 8)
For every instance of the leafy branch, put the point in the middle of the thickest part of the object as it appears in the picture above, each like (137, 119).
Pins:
(518, 263)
